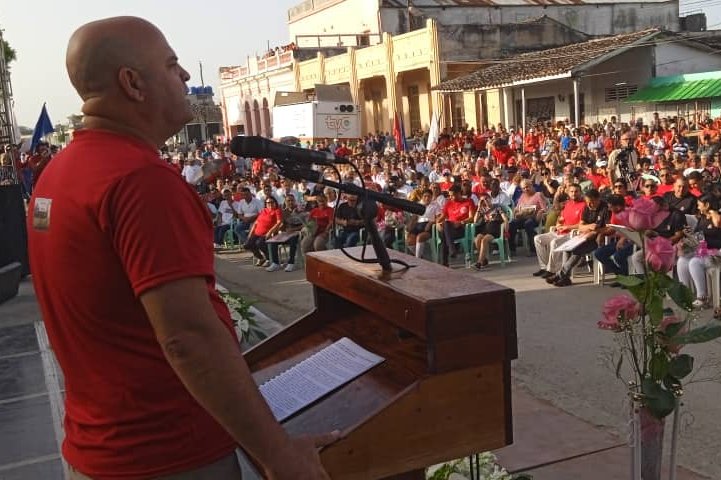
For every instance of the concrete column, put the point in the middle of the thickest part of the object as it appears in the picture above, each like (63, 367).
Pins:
(321, 68)
(523, 110)
(506, 109)
(470, 112)
(391, 81)
(576, 104)
(434, 69)
(353, 76)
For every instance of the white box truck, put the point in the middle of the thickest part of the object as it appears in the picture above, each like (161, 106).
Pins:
(329, 114)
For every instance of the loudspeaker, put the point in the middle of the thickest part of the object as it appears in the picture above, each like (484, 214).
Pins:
(13, 232)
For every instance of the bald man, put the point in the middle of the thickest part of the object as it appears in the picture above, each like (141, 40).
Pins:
(121, 247)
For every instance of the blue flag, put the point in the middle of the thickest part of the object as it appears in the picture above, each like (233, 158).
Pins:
(404, 141)
(42, 128)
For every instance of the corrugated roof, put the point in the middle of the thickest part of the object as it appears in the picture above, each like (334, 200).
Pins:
(544, 63)
(684, 90)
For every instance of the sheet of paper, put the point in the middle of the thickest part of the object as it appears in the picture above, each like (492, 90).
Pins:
(629, 233)
(571, 244)
(316, 376)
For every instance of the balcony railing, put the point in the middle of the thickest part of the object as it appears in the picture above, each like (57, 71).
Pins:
(358, 40)
(263, 65)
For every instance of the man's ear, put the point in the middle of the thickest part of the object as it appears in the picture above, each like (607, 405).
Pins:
(131, 83)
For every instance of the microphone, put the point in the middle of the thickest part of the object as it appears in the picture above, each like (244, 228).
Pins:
(260, 147)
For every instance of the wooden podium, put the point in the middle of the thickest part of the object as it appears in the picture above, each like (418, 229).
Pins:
(444, 390)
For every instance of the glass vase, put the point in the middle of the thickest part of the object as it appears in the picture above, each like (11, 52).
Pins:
(651, 429)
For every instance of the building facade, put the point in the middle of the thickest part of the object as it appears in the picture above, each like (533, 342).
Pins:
(392, 52)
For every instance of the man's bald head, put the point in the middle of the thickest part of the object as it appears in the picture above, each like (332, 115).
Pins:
(98, 50)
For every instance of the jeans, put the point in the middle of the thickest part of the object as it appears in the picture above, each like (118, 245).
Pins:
(256, 244)
(527, 224)
(450, 233)
(219, 233)
(614, 261)
(347, 238)
(293, 246)
(241, 231)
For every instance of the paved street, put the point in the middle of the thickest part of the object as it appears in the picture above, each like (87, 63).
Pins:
(560, 348)
(569, 413)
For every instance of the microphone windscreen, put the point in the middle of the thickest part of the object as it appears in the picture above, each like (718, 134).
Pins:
(248, 146)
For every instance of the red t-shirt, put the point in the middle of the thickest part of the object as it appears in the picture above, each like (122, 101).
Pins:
(322, 216)
(571, 214)
(126, 225)
(266, 219)
(664, 188)
(458, 211)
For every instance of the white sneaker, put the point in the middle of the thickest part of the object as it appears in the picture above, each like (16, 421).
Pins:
(217, 245)
(290, 267)
(259, 262)
(266, 263)
(274, 267)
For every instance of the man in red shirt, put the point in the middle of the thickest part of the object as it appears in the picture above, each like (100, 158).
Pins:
(549, 260)
(156, 385)
(38, 161)
(667, 180)
(457, 212)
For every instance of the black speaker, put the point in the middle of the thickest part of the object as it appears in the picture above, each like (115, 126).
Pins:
(13, 233)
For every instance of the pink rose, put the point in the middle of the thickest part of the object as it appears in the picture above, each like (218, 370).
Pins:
(615, 308)
(660, 254)
(641, 215)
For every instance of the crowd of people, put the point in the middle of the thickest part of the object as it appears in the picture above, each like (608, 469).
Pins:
(537, 189)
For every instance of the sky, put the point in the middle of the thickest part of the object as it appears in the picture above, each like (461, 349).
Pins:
(218, 33)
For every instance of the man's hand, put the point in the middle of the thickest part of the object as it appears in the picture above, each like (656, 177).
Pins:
(302, 461)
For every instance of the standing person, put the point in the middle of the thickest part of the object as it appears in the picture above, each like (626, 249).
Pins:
(156, 384)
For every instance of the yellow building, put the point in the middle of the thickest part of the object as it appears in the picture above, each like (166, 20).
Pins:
(394, 75)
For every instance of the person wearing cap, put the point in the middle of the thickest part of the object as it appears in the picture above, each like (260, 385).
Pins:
(599, 176)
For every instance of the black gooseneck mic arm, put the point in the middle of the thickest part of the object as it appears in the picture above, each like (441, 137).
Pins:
(367, 205)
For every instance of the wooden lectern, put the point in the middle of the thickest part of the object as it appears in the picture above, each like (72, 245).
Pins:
(444, 390)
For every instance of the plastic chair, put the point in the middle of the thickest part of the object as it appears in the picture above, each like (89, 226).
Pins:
(466, 243)
(229, 238)
(504, 254)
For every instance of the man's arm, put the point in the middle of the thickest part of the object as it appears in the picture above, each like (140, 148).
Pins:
(209, 362)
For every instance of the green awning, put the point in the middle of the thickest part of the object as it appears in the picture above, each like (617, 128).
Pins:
(673, 92)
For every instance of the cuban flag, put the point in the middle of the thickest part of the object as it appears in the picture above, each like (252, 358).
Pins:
(42, 128)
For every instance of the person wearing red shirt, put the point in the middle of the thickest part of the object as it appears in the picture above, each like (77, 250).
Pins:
(530, 142)
(153, 371)
(39, 161)
(268, 223)
(316, 239)
(667, 181)
(549, 260)
(457, 212)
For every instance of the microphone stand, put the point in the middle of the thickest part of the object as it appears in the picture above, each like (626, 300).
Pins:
(367, 203)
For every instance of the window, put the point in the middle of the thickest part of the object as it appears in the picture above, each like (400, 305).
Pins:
(414, 109)
(620, 92)
(458, 116)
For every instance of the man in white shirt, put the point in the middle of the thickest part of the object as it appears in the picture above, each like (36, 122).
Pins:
(248, 209)
(227, 211)
(498, 196)
(192, 172)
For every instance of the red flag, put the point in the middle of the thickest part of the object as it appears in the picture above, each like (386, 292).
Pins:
(397, 133)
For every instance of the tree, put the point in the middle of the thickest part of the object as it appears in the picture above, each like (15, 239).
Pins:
(25, 130)
(9, 52)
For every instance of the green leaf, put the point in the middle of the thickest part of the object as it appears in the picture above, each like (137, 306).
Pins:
(655, 309)
(663, 281)
(639, 292)
(680, 366)
(629, 281)
(659, 401)
(658, 366)
(681, 295)
(673, 329)
(671, 383)
(702, 334)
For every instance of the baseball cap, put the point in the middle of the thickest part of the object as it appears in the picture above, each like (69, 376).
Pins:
(601, 163)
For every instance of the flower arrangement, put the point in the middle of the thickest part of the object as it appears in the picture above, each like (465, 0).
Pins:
(243, 317)
(484, 464)
(652, 333)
